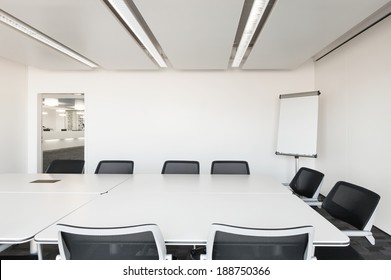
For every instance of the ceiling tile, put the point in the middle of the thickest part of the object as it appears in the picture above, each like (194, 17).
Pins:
(88, 27)
(193, 34)
(297, 30)
(20, 48)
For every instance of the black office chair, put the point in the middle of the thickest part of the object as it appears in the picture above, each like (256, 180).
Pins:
(69, 166)
(227, 242)
(115, 167)
(181, 167)
(238, 167)
(354, 205)
(141, 242)
(306, 184)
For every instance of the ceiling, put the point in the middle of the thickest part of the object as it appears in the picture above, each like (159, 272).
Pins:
(192, 34)
(66, 104)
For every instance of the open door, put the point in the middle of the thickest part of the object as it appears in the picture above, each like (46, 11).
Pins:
(62, 128)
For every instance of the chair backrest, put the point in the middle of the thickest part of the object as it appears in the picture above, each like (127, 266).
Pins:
(306, 182)
(115, 167)
(141, 242)
(227, 242)
(351, 203)
(181, 167)
(71, 166)
(230, 167)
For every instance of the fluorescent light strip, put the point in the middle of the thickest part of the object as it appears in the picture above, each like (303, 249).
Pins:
(256, 13)
(17, 24)
(127, 16)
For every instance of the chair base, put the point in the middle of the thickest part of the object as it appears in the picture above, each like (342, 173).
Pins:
(312, 202)
(196, 253)
(367, 234)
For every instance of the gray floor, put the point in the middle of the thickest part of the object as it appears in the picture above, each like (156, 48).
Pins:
(380, 251)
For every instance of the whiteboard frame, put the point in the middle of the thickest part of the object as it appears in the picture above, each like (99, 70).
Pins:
(283, 128)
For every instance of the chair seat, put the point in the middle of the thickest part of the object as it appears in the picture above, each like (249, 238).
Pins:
(237, 167)
(227, 242)
(353, 205)
(115, 167)
(181, 167)
(67, 166)
(306, 184)
(139, 242)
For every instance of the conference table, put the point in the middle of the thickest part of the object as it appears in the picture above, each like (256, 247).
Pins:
(59, 183)
(169, 184)
(23, 215)
(30, 203)
(184, 207)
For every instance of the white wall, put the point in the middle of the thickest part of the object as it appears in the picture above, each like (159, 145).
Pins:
(54, 140)
(153, 116)
(355, 124)
(13, 117)
(49, 120)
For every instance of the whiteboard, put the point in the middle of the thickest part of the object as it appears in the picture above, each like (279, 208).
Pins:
(298, 124)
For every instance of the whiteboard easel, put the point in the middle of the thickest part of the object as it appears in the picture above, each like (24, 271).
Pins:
(298, 125)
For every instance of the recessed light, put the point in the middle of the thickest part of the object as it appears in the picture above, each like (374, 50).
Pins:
(51, 102)
(33, 33)
(123, 11)
(255, 16)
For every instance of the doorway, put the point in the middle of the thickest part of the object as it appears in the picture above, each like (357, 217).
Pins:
(62, 128)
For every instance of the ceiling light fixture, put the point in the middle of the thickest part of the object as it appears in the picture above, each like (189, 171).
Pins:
(51, 102)
(79, 105)
(256, 13)
(24, 28)
(122, 9)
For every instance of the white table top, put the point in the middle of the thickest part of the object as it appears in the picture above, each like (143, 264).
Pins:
(23, 215)
(68, 183)
(157, 183)
(184, 218)
(183, 206)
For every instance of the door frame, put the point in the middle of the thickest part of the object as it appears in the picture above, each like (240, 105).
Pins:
(41, 97)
